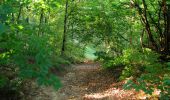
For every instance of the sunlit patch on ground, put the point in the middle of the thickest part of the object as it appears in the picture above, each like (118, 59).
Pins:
(111, 94)
(120, 94)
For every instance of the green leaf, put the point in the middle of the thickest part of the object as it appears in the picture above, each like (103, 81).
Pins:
(20, 27)
(3, 28)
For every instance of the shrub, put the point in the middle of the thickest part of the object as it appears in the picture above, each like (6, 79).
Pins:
(147, 70)
(27, 57)
(33, 58)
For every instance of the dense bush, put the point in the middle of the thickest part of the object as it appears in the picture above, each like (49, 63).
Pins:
(31, 58)
(107, 61)
(147, 71)
(34, 58)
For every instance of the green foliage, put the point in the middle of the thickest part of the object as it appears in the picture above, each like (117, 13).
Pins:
(31, 39)
(33, 57)
(147, 71)
(25, 52)
(59, 62)
(75, 52)
(3, 81)
(107, 62)
(144, 69)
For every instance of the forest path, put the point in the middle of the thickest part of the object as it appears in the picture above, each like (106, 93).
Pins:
(88, 81)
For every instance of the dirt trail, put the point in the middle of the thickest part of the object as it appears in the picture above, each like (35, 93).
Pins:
(88, 82)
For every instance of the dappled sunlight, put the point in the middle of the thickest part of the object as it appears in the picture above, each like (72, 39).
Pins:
(112, 93)
(120, 94)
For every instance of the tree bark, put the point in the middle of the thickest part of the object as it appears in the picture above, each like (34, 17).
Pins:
(65, 29)
(27, 19)
(41, 22)
(168, 30)
(147, 26)
(19, 14)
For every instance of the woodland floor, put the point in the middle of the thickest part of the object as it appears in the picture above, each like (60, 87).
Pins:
(88, 81)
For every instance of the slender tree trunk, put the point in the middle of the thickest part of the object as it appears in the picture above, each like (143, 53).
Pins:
(65, 29)
(27, 19)
(161, 44)
(168, 30)
(147, 26)
(13, 18)
(168, 20)
(19, 14)
(145, 20)
(41, 22)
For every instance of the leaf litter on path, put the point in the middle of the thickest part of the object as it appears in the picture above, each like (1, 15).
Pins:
(89, 82)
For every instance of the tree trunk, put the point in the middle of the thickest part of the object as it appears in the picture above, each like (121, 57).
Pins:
(19, 14)
(65, 29)
(161, 43)
(168, 30)
(41, 22)
(27, 19)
